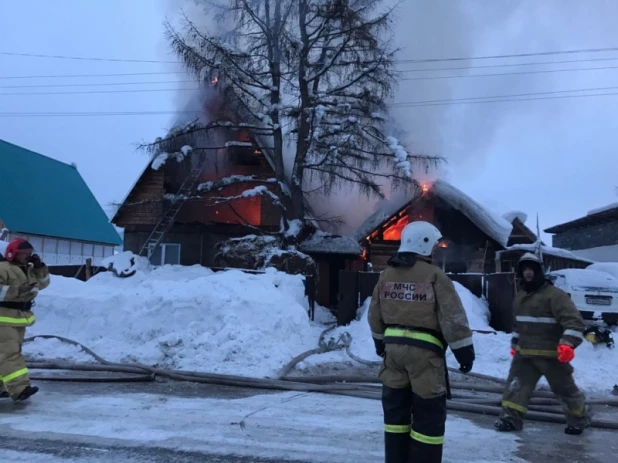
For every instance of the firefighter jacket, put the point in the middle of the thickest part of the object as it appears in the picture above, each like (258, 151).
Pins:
(15, 307)
(545, 318)
(418, 305)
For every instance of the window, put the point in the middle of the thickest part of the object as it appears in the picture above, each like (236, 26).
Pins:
(37, 243)
(64, 247)
(98, 250)
(108, 251)
(88, 250)
(165, 254)
(76, 248)
(50, 245)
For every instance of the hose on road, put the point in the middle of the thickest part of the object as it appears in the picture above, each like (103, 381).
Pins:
(354, 386)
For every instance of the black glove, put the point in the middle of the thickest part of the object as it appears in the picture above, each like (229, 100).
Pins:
(36, 261)
(380, 347)
(465, 357)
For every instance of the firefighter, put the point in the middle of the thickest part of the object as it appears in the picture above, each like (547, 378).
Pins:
(22, 274)
(414, 314)
(548, 328)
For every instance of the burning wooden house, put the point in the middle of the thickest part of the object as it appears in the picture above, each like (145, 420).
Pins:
(201, 189)
(472, 234)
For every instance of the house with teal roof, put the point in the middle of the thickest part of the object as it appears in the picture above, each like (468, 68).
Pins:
(49, 203)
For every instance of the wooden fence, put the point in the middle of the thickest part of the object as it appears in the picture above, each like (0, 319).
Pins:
(498, 288)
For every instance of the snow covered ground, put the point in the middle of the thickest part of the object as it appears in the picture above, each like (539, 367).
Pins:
(236, 323)
(281, 427)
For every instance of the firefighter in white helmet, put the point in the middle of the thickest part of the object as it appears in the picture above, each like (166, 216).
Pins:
(548, 328)
(415, 313)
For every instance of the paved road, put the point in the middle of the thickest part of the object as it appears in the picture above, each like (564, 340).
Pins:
(166, 422)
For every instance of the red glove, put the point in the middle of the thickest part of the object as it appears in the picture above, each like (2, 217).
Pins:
(565, 353)
(513, 352)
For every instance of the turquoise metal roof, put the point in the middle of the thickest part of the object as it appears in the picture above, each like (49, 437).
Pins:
(42, 196)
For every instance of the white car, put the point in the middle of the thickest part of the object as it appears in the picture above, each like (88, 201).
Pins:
(594, 293)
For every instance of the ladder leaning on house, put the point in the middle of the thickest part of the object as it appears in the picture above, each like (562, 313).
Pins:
(187, 188)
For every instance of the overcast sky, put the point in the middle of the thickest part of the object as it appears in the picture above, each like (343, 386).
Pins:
(555, 157)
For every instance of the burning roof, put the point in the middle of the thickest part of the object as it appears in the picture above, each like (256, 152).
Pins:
(495, 226)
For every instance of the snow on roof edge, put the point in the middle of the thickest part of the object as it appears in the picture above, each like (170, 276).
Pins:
(606, 208)
(556, 252)
(495, 226)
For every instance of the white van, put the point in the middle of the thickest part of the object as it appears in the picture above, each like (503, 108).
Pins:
(594, 293)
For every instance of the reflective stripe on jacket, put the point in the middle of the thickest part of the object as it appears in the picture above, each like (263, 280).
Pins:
(544, 319)
(418, 305)
(15, 306)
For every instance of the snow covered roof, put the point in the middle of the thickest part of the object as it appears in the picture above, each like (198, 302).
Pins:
(325, 243)
(556, 252)
(598, 210)
(512, 215)
(495, 226)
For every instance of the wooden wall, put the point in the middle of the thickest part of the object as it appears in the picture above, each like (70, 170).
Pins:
(143, 205)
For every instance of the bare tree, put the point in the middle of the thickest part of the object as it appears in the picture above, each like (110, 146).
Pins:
(311, 79)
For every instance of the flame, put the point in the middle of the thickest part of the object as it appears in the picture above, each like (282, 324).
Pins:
(214, 81)
(443, 244)
(364, 254)
(425, 187)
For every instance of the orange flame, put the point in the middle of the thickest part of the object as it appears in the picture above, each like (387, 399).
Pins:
(214, 81)
(425, 187)
(443, 244)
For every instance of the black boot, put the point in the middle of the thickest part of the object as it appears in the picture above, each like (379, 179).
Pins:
(503, 425)
(27, 393)
(573, 430)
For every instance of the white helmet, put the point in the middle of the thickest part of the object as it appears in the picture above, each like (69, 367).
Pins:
(530, 257)
(420, 238)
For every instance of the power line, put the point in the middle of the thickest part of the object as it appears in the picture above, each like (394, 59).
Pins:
(70, 76)
(427, 60)
(544, 71)
(537, 63)
(516, 95)
(449, 103)
(83, 58)
(95, 92)
(197, 113)
(104, 84)
(551, 92)
(518, 55)
(129, 74)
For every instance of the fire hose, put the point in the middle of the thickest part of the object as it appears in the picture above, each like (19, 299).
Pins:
(543, 407)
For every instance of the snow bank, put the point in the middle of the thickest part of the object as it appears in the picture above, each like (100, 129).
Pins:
(512, 215)
(182, 317)
(607, 267)
(595, 367)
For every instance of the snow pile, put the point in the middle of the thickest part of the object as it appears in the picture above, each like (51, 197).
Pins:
(588, 280)
(493, 358)
(598, 210)
(557, 252)
(322, 242)
(607, 267)
(125, 264)
(512, 215)
(182, 317)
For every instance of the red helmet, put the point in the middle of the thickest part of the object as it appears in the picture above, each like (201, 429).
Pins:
(16, 245)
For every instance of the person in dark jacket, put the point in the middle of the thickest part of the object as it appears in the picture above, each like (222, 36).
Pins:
(548, 328)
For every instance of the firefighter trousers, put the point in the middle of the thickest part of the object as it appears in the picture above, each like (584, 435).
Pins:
(414, 404)
(522, 380)
(13, 372)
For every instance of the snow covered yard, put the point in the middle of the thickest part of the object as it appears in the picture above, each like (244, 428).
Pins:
(237, 323)
(596, 368)
(182, 317)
